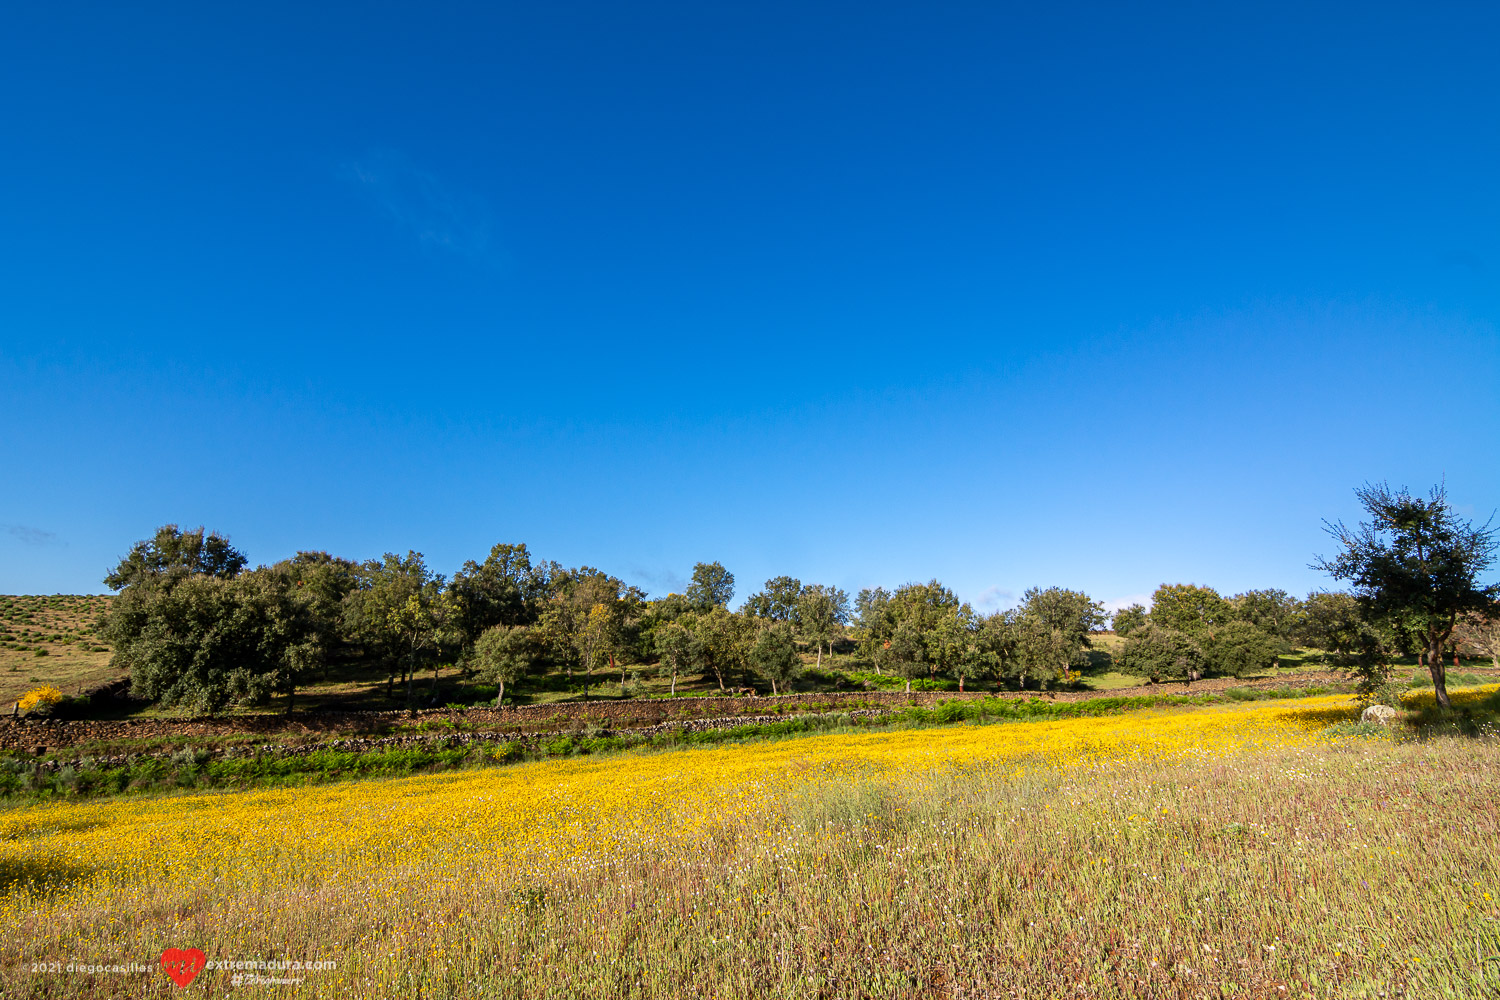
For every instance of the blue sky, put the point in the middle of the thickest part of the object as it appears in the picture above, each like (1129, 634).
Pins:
(864, 293)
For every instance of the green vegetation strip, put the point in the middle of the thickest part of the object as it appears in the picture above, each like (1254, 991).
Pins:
(194, 768)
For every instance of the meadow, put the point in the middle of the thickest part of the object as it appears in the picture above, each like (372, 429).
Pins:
(1255, 849)
(51, 640)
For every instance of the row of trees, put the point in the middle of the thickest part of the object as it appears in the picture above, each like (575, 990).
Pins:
(1193, 631)
(196, 627)
(1414, 570)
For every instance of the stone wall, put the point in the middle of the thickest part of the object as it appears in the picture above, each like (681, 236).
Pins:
(26, 735)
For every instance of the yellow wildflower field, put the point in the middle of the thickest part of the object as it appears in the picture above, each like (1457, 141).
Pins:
(753, 869)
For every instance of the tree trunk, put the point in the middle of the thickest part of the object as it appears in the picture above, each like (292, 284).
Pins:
(1439, 674)
(291, 695)
(622, 671)
(500, 695)
(908, 685)
(773, 687)
(411, 675)
(820, 654)
(960, 683)
(674, 682)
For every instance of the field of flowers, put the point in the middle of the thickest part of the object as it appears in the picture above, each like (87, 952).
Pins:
(1183, 853)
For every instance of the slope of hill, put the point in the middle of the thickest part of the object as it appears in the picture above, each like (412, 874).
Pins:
(51, 640)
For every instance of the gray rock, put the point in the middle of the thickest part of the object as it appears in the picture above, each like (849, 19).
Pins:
(1383, 714)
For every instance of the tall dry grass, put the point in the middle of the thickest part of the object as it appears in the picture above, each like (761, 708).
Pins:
(1230, 852)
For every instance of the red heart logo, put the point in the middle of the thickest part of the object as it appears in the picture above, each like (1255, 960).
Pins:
(182, 965)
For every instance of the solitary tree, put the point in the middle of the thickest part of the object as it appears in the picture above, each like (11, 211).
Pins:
(874, 620)
(676, 645)
(1054, 626)
(1333, 622)
(174, 554)
(504, 654)
(908, 650)
(1189, 608)
(823, 612)
(1127, 620)
(1274, 612)
(1237, 648)
(775, 655)
(721, 641)
(778, 601)
(593, 638)
(1161, 654)
(1416, 566)
(712, 586)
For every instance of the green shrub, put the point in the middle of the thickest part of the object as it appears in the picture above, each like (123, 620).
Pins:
(559, 747)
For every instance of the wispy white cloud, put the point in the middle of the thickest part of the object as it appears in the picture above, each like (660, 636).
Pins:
(420, 203)
(994, 597)
(28, 535)
(660, 583)
(1116, 603)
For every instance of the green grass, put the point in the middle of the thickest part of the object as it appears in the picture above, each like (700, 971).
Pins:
(191, 766)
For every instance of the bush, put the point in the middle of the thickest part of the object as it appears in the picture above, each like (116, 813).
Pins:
(41, 701)
(1388, 693)
(1238, 648)
(1160, 654)
(188, 757)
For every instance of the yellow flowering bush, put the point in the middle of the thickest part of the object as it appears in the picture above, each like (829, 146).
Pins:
(40, 701)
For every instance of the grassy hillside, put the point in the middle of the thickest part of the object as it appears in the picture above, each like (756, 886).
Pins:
(51, 640)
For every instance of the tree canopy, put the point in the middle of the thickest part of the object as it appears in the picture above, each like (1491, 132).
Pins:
(1189, 608)
(778, 601)
(712, 586)
(1414, 567)
(173, 554)
(1128, 619)
(1160, 653)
